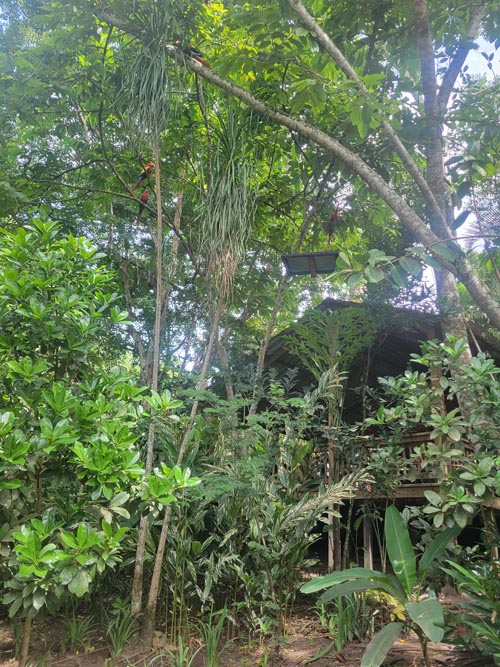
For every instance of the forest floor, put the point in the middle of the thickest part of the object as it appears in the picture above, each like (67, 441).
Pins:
(303, 646)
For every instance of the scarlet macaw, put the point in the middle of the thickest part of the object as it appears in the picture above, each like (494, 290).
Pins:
(193, 53)
(331, 224)
(144, 200)
(145, 173)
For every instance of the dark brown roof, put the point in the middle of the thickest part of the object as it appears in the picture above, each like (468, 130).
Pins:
(402, 333)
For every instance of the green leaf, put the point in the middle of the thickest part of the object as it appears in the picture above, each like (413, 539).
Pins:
(399, 277)
(428, 614)
(321, 654)
(79, 585)
(446, 252)
(380, 645)
(354, 280)
(327, 580)
(373, 274)
(357, 586)
(454, 434)
(437, 548)
(433, 497)
(411, 266)
(15, 606)
(400, 548)
(38, 599)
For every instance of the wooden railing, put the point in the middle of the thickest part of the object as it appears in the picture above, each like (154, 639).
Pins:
(410, 470)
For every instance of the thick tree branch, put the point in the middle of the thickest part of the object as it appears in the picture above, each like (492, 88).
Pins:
(434, 143)
(338, 57)
(455, 67)
(446, 288)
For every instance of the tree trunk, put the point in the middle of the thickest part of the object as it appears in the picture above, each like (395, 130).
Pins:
(448, 298)
(23, 656)
(150, 612)
(137, 583)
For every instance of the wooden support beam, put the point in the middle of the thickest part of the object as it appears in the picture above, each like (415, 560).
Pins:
(367, 542)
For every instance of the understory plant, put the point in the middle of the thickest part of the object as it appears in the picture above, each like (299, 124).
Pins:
(244, 541)
(70, 472)
(415, 603)
(347, 618)
(459, 446)
(77, 630)
(211, 631)
(181, 656)
(478, 618)
(121, 627)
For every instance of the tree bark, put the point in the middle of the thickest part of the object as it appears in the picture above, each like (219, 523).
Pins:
(23, 655)
(338, 57)
(477, 11)
(453, 320)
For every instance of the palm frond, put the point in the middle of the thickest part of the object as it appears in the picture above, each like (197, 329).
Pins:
(485, 229)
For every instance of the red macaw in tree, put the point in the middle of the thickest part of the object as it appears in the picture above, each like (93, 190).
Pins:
(193, 53)
(145, 173)
(331, 224)
(144, 200)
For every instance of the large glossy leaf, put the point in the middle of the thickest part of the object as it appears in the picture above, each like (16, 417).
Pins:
(400, 549)
(428, 614)
(357, 586)
(379, 646)
(327, 580)
(436, 548)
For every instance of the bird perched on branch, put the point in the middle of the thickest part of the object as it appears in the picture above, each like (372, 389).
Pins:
(145, 173)
(144, 200)
(330, 227)
(193, 53)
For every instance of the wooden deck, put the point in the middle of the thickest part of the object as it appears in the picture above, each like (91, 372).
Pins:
(414, 477)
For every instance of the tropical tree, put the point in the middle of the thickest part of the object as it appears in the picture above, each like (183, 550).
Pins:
(71, 470)
(368, 76)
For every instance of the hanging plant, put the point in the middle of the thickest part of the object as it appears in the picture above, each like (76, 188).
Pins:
(229, 205)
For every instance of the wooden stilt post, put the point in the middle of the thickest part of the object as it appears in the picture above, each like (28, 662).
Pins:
(367, 543)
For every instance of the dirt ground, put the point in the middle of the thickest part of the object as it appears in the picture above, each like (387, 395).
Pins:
(303, 646)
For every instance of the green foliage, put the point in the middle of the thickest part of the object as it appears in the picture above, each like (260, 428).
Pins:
(121, 627)
(347, 618)
(77, 631)
(458, 447)
(183, 656)
(408, 586)
(162, 485)
(324, 338)
(245, 539)
(480, 606)
(83, 101)
(70, 465)
(228, 208)
(211, 632)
